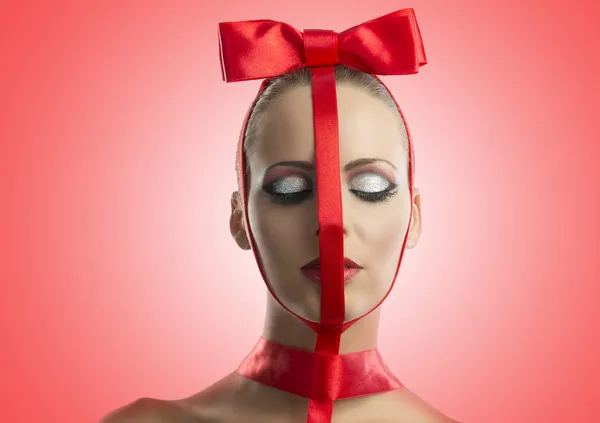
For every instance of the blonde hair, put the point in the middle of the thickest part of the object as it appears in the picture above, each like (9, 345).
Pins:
(302, 77)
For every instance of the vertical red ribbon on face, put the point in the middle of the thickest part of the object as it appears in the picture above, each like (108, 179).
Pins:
(321, 50)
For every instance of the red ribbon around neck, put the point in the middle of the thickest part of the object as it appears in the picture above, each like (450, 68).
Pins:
(292, 370)
(389, 45)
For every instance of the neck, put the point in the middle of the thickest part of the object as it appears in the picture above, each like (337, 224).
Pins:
(288, 362)
(284, 328)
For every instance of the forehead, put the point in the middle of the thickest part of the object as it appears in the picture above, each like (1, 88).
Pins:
(368, 127)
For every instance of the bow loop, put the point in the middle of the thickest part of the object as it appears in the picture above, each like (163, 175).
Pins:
(258, 49)
(388, 45)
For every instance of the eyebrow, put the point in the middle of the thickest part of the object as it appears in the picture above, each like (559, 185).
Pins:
(366, 161)
(349, 166)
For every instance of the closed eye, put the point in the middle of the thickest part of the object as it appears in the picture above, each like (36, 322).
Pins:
(289, 190)
(372, 187)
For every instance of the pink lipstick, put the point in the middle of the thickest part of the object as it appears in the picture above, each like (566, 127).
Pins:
(312, 270)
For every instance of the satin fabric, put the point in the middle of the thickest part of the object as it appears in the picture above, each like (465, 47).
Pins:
(258, 49)
(278, 366)
(266, 49)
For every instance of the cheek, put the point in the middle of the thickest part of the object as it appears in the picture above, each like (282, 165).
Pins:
(280, 232)
(386, 231)
(390, 236)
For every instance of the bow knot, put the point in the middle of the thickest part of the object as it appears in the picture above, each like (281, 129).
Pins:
(321, 48)
(259, 49)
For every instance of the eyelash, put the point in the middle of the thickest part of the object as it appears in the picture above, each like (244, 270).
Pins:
(298, 197)
(288, 199)
(377, 197)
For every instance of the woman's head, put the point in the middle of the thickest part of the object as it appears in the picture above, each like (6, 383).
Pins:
(281, 189)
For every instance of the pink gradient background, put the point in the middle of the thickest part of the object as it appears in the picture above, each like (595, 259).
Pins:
(117, 140)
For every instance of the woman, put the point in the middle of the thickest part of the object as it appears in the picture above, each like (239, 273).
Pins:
(303, 368)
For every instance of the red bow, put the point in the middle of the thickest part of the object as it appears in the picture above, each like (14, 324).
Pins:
(259, 49)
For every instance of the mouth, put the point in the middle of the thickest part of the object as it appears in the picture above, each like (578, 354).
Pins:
(312, 270)
(316, 264)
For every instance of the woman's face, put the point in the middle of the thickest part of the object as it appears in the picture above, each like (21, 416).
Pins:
(282, 199)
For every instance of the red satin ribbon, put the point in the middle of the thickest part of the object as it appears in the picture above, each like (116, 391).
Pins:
(292, 370)
(388, 45)
(263, 49)
(320, 48)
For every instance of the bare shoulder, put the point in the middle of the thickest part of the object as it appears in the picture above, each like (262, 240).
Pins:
(150, 410)
(397, 406)
(210, 405)
(415, 409)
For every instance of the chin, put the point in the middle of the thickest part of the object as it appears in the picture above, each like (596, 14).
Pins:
(356, 309)
(353, 310)
(360, 299)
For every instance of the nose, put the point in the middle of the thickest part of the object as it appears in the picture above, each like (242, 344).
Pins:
(343, 229)
(345, 220)
(346, 215)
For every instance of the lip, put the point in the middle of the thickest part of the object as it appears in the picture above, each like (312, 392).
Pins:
(347, 263)
(313, 272)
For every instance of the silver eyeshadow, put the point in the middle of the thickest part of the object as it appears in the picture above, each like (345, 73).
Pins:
(365, 182)
(369, 182)
(290, 185)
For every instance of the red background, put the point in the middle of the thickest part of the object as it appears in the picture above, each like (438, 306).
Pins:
(118, 276)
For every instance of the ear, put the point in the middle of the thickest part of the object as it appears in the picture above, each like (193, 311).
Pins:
(415, 223)
(236, 222)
